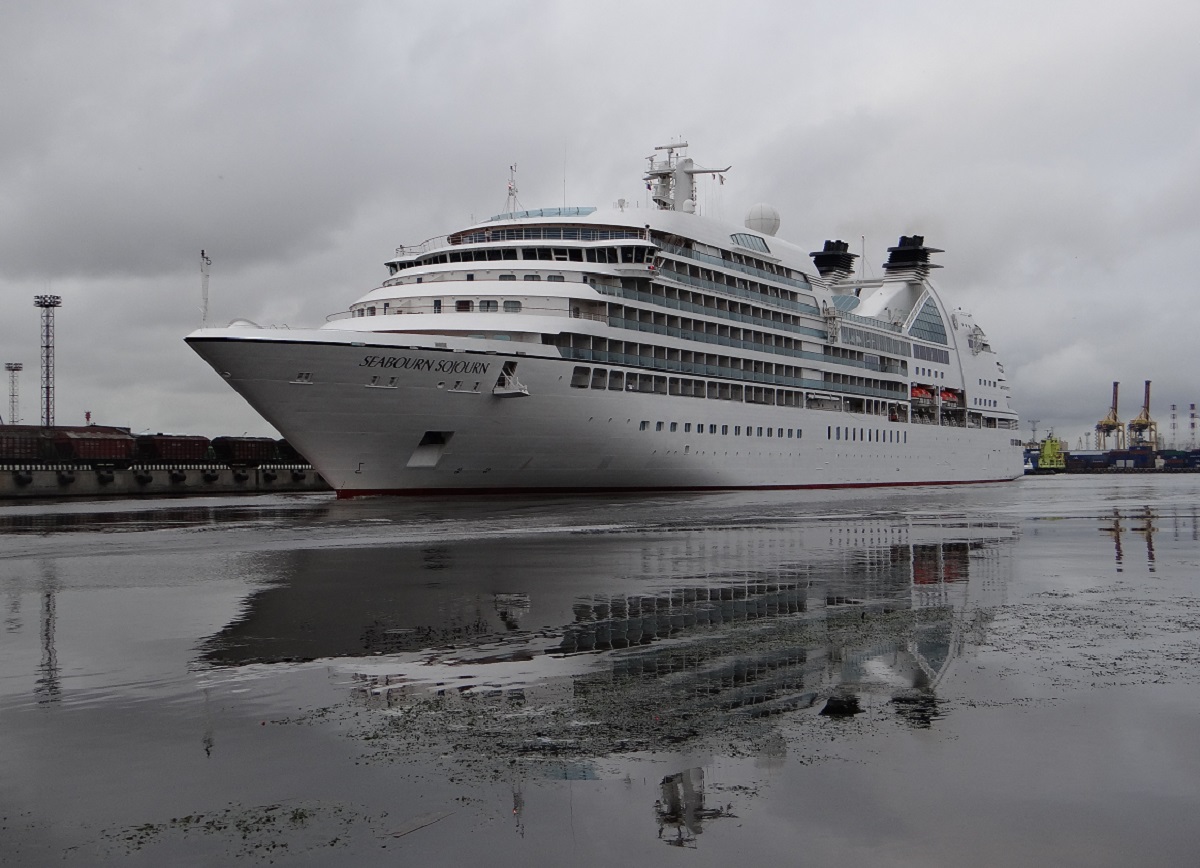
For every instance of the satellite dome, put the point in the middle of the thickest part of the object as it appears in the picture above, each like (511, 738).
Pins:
(763, 218)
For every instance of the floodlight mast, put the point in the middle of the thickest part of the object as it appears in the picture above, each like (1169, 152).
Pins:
(13, 369)
(47, 303)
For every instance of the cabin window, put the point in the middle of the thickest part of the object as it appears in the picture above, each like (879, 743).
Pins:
(532, 277)
(508, 277)
(644, 425)
(488, 305)
(658, 426)
(616, 379)
(470, 277)
(674, 426)
(437, 305)
(581, 377)
(512, 307)
(464, 305)
(556, 278)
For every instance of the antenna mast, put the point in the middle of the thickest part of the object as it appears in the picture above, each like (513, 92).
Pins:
(512, 204)
(205, 262)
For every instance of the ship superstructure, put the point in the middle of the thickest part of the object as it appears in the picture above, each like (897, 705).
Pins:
(575, 349)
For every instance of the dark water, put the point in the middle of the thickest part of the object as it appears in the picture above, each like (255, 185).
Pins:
(1000, 675)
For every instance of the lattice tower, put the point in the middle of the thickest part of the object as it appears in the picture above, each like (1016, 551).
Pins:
(13, 368)
(47, 303)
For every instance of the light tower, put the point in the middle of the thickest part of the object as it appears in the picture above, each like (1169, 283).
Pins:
(47, 303)
(13, 369)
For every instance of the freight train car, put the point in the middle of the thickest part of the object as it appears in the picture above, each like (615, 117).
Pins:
(287, 453)
(175, 448)
(21, 444)
(94, 446)
(245, 451)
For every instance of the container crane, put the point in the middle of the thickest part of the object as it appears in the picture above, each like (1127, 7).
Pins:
(1143, 431)
(1111, 424)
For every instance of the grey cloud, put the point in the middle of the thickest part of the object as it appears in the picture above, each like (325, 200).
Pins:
(1050, 150)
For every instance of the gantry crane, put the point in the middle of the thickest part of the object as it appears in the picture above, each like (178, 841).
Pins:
(1143, 431)
(1110, 424)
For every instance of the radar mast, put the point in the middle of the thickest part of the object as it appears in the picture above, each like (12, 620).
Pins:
(671, 181)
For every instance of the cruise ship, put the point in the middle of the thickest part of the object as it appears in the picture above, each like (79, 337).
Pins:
(582, 349)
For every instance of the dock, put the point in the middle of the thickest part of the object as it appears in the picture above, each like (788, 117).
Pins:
(54, 481)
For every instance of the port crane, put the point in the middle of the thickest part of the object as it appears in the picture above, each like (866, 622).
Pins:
(1143, 431)
(1111, 424)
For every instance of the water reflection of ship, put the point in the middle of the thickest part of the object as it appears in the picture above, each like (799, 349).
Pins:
(889, 618)
(778, 618)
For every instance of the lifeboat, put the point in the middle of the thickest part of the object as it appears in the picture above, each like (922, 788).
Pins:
(921, 394)
(949, 396)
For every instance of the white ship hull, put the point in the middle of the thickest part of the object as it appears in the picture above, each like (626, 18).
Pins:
(366, 422)
(581, 349)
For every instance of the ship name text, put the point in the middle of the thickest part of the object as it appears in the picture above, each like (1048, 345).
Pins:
(444, 366)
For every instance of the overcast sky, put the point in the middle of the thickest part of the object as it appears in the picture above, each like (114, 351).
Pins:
(1052, 149)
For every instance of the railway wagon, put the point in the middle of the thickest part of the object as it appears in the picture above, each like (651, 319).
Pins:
(94, 445)
(173, 447)
(23, 443)
(287, 453)
(245, 451)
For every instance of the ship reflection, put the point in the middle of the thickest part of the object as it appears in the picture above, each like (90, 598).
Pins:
(695, 628)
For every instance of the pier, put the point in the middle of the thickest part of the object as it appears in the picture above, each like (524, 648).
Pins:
(50, 481)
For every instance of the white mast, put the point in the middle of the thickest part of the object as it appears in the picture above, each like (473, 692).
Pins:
(673, 185)
(205, 262)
